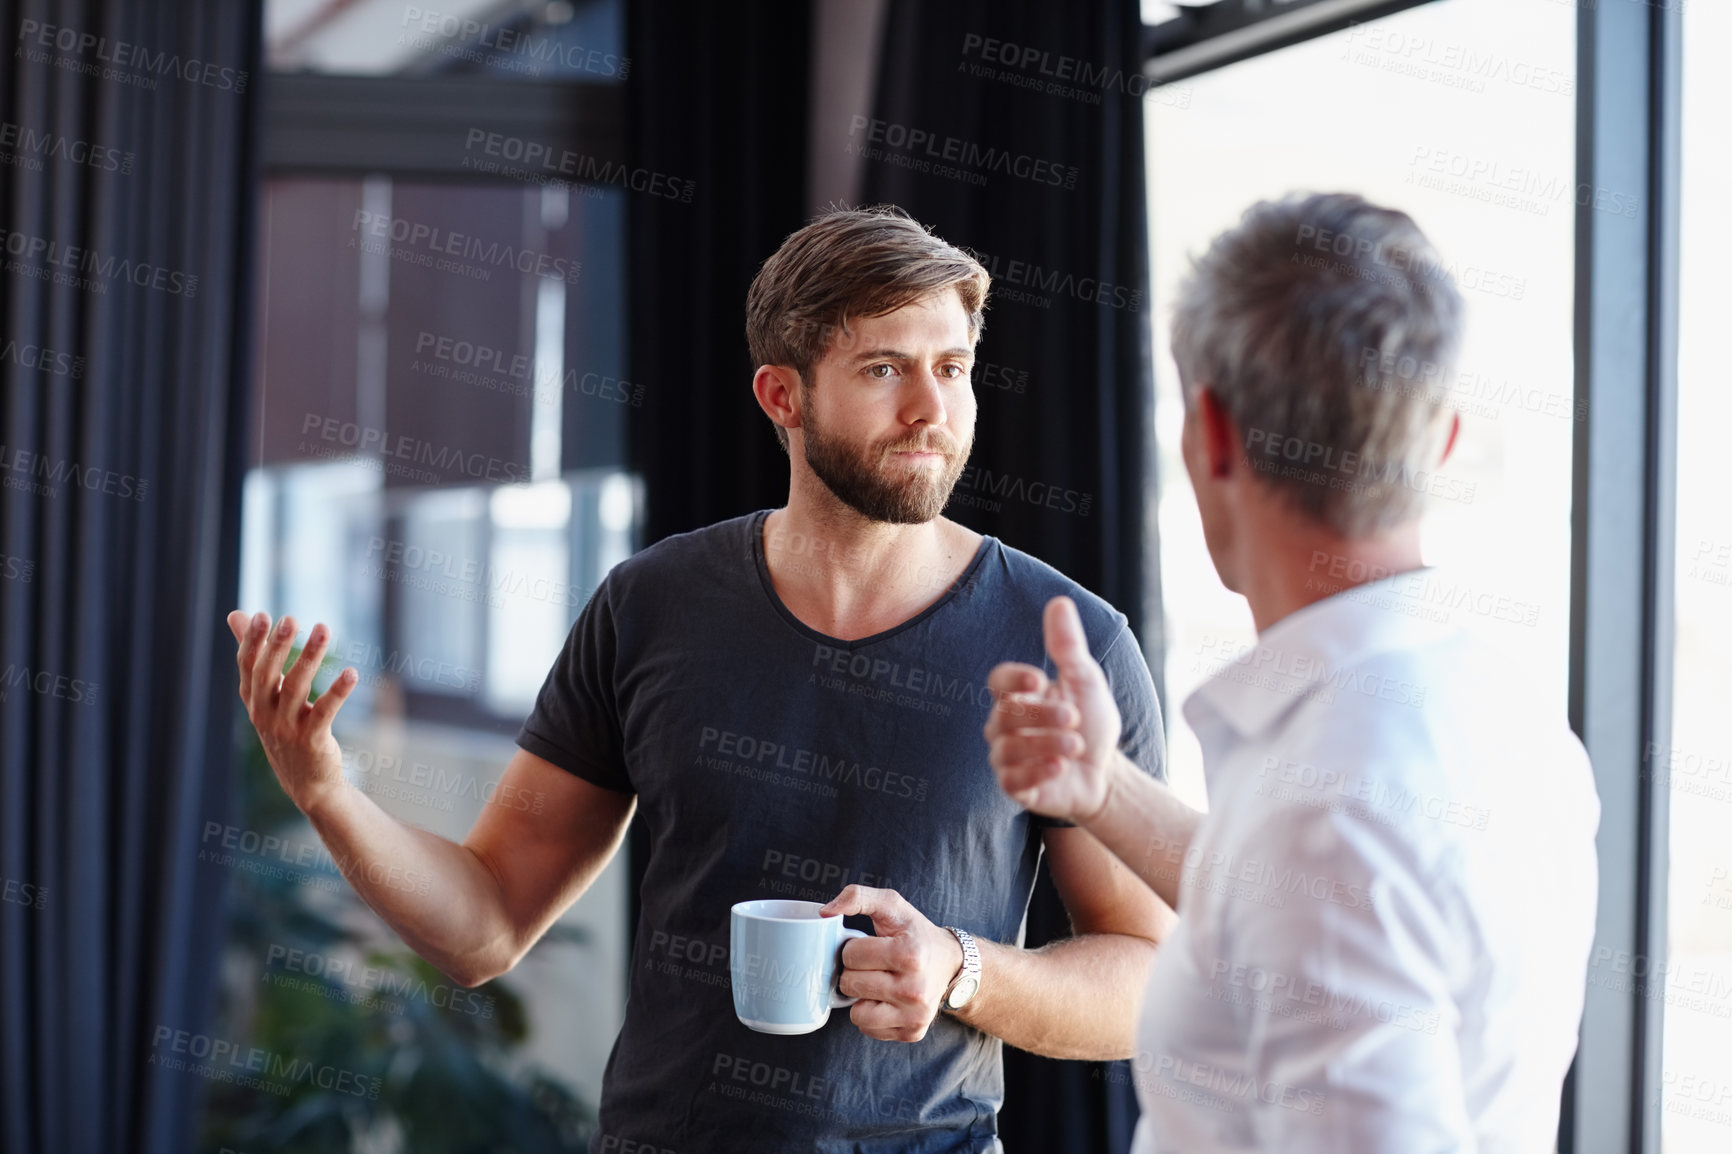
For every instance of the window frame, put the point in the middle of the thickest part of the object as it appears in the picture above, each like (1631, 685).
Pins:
(1623, 540)
(1203, 39)
(401, 126)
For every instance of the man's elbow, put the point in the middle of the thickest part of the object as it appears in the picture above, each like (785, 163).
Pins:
(480, 967)
(1154, 925)
(471, 976)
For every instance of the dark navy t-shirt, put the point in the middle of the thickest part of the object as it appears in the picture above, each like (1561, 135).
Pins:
(770, 760)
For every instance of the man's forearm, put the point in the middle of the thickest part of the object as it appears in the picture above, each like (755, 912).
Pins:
(439, 896)
(1147, 827)
(1078, 998)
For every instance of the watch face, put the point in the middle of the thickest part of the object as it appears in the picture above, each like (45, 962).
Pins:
(965, 989)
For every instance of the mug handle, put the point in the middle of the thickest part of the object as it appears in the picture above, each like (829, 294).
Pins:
(838, 999)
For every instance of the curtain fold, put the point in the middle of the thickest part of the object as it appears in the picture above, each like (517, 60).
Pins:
(127, 184)
(1016, 130)
(716, 96)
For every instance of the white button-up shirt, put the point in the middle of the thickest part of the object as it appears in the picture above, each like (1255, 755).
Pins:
(1385, 918)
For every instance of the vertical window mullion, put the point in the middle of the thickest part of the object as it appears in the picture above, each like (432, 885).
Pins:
(1623, 549)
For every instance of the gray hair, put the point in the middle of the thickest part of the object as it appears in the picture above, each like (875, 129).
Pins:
(1327, 327)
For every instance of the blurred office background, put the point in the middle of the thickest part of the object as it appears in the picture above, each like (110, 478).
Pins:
(415, 319)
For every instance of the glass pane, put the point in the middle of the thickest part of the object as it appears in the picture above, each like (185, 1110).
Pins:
(572, 40)
(1462, 115)
(439, 480)
(1696, 765)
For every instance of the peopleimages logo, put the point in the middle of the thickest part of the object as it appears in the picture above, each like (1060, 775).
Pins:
(764, 756)
(518, 156)
(1461, 66)
(50, 260)
(124, 60)
(55, 146)
(23, 894)
(47, 683)
(1277, 988)
(758, 1083)
(226, 1061)
(1466, 390)
(1378, 800)
(54, 472)
(477, 363)
(1056, 74)
(973, 159)
(1020, 281)
(1398, 264)
(403, 448)
(502, 46)
(1174, 1077)
(1490, 180)
(433, 247)
(1303, 673)
(1008, 486)
(47, 360)
(281, 960)
(1328, 466)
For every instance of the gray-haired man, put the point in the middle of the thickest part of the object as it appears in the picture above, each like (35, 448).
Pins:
(1385, 917)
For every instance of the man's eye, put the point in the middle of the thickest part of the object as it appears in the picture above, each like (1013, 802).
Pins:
(889, 371)
(954, 372)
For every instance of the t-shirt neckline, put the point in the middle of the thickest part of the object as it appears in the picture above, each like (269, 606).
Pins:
(756, 532)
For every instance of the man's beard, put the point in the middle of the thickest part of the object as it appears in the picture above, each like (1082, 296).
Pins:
(851, 472)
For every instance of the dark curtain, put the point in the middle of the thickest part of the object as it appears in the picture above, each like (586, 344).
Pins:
(716, 96)
(1034, 110)
(128, 149)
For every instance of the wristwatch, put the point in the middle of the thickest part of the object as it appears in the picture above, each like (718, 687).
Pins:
(966, 983)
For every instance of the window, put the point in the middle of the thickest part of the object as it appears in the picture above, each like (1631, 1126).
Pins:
(1463, 115)
(440, 477)
(518, 40)
(1696, 764)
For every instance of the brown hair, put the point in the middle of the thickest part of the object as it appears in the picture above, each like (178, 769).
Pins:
(1327, 327)
(861, 262)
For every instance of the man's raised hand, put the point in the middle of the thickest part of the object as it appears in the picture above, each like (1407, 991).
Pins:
(296, 734)
(1053, 743)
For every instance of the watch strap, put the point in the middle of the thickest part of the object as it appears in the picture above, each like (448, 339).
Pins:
(970, 965)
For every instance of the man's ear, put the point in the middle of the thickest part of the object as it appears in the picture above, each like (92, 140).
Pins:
(1449, 442)
(1221, 444)
(776, 387)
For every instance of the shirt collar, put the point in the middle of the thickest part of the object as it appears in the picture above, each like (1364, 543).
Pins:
(1298, 656)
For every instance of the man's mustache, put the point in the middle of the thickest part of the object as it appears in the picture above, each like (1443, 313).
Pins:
(936, 443)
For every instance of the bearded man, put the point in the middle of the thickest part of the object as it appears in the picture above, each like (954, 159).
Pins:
(795, 700)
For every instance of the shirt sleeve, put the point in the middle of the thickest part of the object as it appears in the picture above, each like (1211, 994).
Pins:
(575, 723)
(1142, 736)
(1352, 1041)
